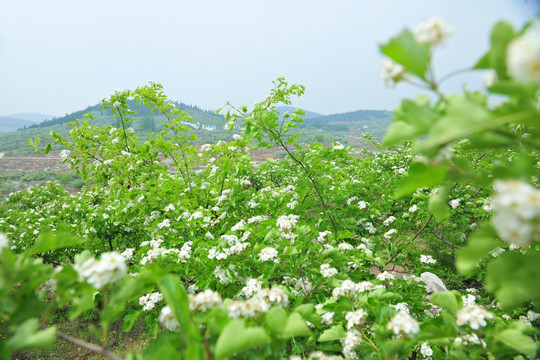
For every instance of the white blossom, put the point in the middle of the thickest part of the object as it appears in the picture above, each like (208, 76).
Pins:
(355, 318)
(98, 273)
(327, 271)
(391, 72)
(167, 319)
(64, 154)
(523, 55)
(434, 32)
(455, 203)
(267, 254)
(402, 322)
(427, 259)
(426, 350)
(474, 315)
(515, 205)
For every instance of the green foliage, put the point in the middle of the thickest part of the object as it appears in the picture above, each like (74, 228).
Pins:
(301, 256)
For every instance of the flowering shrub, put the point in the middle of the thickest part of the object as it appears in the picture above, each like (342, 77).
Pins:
(314, 256)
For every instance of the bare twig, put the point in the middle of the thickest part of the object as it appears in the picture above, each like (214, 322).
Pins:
(81, 343)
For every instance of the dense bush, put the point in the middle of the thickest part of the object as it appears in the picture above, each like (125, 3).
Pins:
(311, 256)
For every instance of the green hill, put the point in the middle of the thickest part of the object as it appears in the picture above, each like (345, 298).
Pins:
(15, 143)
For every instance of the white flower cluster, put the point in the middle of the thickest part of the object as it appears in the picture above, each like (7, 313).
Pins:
(474, 315)
(427, 259)
(389, 220)
(323, 236)
(426, 350)
(257, 219)
(259, 303)
(149, 301)
(338, 146)
(470, 338)
(455, 203)
(167, 319)
(523, 55)
(64, 154)
(434, 32)
(267, 254)
(402, 322)
(385, 276)
(328, 271)
(252, 286)
(470, 299)
(328, 318)
(350, 288)
(286, 224)
(345, 246)
(98, 273)
(388, 235)
(298, 287)
(349, 343)
(204, 300)
(401, 307)
(355, 318)
(362, 205)
(128, 254)
(157, 250)
(222, 275)
(516, 206)
(391, 72)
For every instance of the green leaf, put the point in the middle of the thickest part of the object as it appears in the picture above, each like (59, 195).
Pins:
(47, 149)
(462, 118)
(296, 326)
(447, 300)
(28, 335)
(480, 244)
(236, 338)
(83, 302)
(177, 298)
(405, 50)
(165, 346)
(501, 35)
(53, 241)
(518, 341)
(411, 119)
(130, 319)
(438, 204)
(513, 278)
(483, 63)
(420, 175)
(336, 332)
(276, 319)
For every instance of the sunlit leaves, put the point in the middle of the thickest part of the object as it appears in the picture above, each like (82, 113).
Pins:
(405, 50)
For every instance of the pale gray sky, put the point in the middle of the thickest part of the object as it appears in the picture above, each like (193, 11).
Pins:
(59, 56)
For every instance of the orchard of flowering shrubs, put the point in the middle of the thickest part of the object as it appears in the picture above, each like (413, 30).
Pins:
(316, 256)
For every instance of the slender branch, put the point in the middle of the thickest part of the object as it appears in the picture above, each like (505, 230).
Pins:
(414, 238)
(453, 73)
(81, 343)
(326, 210)
(445, 241)
(124, 129)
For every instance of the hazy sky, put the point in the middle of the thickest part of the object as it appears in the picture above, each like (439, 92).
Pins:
(59, 56)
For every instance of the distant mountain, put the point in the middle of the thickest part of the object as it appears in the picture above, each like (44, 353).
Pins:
(105, 116)
(374, 121)
(290, 109)
(32, 117)
(13, 122)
